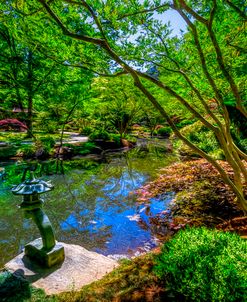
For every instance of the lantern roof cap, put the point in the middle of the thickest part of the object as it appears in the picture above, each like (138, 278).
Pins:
(32, 186)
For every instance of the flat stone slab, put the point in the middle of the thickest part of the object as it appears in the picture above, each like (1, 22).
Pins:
(80, 267)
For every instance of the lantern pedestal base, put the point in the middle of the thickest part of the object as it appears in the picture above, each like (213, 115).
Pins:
(34, 250)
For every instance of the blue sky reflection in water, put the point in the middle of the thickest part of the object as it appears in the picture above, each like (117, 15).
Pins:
(116, 211)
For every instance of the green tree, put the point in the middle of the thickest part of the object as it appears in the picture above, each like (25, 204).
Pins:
(201, 62)
(119, 102)
(23, 74)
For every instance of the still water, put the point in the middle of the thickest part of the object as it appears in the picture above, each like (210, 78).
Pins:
(95, 208)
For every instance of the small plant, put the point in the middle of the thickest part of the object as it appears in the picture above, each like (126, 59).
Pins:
(48, 141)
(116, 138)
(185, 123)
(165, 131)
(204, 138)
(199, 264)
(86, 130)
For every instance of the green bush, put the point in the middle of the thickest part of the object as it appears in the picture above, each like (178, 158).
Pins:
(239, 140)
(199, 264)
(86, 130)
(165, 131)
(48, 141)
(14, 289)
(204, 138)
(185, 123)
(116, 139)
(83, 149)
(100, 134)
(8, 151)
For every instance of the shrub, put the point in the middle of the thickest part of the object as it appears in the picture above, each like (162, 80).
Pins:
(86, 130)
(116, 139)
(83, 149)
(165, 131)
(204, 138)
(14, 289)
(239, 139)
(48, 141)
(204, 265)
(100, 134)
(185, 123)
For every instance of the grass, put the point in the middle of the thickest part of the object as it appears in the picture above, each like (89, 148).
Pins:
(131, 281)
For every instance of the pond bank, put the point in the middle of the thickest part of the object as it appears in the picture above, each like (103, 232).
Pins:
(202, 198)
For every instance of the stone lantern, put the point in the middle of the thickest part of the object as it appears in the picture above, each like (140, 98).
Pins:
(43, 250)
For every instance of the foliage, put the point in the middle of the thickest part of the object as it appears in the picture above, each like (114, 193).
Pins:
(26, 151)
(119, 101)
(117, 138)
(185, 122)
(197, 75)
(100, 134)
(8, 151)
(204, 265)
(202, 137)
(201, 197)
(165, 131)
(12, 136)
(82, 149)
(86, 130)
(41, 148)
(48, 141)
(240, 139)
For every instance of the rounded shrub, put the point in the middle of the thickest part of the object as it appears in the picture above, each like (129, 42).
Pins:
(199, 264)
(100, 134)
(164, 131)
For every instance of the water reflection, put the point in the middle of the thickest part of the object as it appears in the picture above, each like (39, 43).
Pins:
(94, 208)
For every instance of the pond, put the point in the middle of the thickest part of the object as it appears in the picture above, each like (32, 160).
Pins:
(94, 207)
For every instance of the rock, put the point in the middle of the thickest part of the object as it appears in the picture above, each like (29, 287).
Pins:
(63, 152)
(127, 144)
(80, 267)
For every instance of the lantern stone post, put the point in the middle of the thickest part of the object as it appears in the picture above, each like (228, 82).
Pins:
(43, 250)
